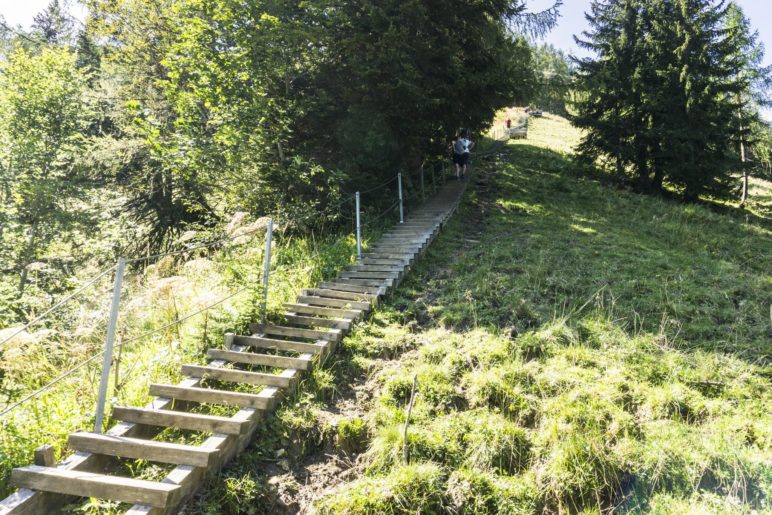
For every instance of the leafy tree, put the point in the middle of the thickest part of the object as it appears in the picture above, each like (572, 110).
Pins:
(554, 73)
(138, 35)
(41, 117)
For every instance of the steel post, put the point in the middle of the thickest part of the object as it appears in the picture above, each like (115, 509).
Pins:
(359, 231)
(109, 342)
(267, 269)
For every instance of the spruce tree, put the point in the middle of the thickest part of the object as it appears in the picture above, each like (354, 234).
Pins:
(753, 79)
(660, 94)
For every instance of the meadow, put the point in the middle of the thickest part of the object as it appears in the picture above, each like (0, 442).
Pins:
(578, 348)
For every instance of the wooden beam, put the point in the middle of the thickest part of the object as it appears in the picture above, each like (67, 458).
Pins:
(87, 484)
(150, 450)
(179, 419)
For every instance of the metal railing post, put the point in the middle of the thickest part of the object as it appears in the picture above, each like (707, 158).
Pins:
(434, 182)
(401, 208)
(267, 269)
(109, 341)
(359, 231)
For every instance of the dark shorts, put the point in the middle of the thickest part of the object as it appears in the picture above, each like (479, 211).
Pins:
(461, 159)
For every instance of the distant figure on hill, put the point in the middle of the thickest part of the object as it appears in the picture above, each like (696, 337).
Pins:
(509, 123)
(461, 152)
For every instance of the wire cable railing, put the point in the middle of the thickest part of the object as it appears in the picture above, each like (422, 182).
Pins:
(58, 305)
(372, 221)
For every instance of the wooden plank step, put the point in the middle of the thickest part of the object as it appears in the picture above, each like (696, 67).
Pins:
(308, 321)
(396, 249)
(337, 294)
(261, 342)
(87, 484)
(210, 396)
(397, 270)
(330, 335)
(327, 312)
(353, 288)
(402, 242)
(376, 283)
(369, 275)
(378, 254)
(180, 420)
(385, 262)
(334, 303)
(268, 360)
(139, 449)
(230, 375)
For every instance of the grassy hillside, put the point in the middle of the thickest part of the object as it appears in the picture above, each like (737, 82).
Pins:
(577, 348)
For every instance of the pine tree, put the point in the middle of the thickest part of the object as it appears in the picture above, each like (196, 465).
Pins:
(605, 83)
(754, 81)
(660, 96)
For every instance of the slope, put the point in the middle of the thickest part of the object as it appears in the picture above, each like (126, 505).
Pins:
(577, 347)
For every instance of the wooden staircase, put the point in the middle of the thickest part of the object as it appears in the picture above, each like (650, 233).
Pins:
(315, 323)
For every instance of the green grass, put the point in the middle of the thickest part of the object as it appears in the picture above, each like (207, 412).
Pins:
(153, 297)
(578, 347)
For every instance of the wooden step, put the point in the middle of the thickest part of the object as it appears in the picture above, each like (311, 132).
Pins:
(370, 275)
(337, 294)
(331, 335)
(377, 254)
(396, 249)
(268, 360)
(397, 270)
(210, 396)
(138, 449)
(400, 243)
(384, 262)
(230, 375)
(261, 342)
(334, 303)
(87, 484)
(352, 288)
(372, 283)
(306, 309)
(308, 321)
(180, 420)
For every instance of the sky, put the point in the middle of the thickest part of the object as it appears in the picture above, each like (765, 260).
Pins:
(572, 21)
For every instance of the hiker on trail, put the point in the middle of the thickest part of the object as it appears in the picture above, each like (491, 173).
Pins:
(461, 153)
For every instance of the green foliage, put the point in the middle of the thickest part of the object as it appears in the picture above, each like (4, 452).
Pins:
(660, 100)
(407, 489)
(584, 386)
(41, 116)
(554, 77)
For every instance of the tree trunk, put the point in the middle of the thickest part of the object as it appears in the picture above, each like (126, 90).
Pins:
(642, 164)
